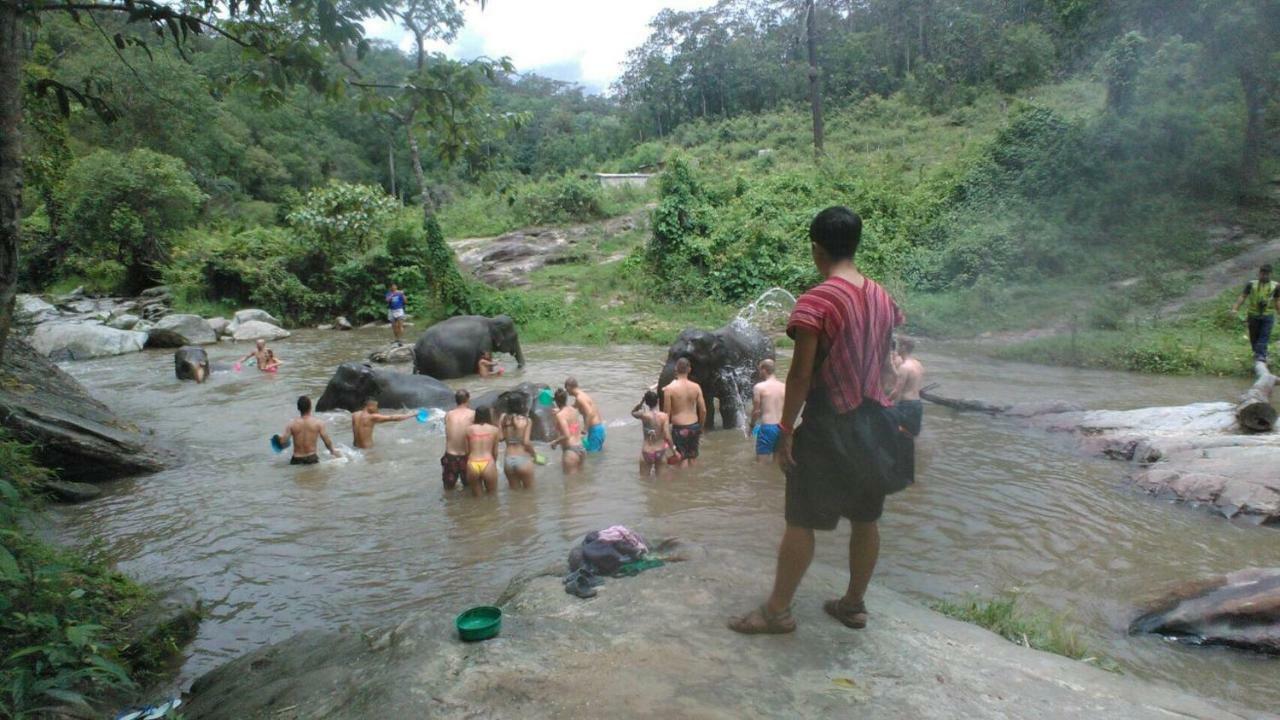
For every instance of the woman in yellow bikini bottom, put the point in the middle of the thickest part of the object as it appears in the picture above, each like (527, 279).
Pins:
(482, 448)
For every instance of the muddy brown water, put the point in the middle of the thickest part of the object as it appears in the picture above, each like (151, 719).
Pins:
(275, 549)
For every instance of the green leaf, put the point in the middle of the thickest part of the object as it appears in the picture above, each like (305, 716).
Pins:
(8, 565)
(112, 668)
(67, 696)
(80, 635)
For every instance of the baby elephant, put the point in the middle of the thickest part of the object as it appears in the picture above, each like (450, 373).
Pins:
(191, 363)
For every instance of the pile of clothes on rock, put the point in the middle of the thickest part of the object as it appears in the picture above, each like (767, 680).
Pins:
(613, 552)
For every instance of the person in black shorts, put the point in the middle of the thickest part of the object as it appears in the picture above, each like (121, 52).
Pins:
(847, 454)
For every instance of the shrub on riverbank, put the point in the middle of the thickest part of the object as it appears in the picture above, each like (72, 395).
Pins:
(1004, 617)
(64, 615)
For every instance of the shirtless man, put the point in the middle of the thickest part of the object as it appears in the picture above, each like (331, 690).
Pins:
(594, 441)
(657, 433)
(302, 432)
(906, 390)
(362, 422)
(682, 400)
(259, 355)
(453, 464)
(482, 454)
(766, 410)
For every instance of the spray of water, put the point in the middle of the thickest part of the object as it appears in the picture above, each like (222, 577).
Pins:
(767, 314)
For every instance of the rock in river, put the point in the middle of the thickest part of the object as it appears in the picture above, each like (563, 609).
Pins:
(392, 354)
(82, 341)
(42, 405)
(173, 331)
(257, 330)
(1240, 609)
(656, 646)
(252, 315)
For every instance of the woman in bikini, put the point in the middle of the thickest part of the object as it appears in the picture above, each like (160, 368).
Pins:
(657, 433)
(272, 363)
(569, 425)
(518, 461)
(482, 454)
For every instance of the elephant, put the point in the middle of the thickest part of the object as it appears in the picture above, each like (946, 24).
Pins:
(191, 363)
(523, 395)
(452, 348)
(723, 363)
(354, 383)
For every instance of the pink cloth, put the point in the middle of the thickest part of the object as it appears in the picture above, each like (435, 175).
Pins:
(620, 533)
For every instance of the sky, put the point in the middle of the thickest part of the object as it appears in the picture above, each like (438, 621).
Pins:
(583, 41)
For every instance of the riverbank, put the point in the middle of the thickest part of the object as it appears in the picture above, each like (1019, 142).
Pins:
(656, 646)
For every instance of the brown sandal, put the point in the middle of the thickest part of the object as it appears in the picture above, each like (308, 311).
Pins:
(762, 622)
(852, 616)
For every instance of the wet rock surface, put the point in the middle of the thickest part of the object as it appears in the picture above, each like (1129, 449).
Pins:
(507, 260)
(257, 330)
(1240, 609)
(656, 646)
(42, 405)
(83, 341)
(396, 354)
(174, 331)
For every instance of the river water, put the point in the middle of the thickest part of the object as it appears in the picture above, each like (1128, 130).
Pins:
(275, 549)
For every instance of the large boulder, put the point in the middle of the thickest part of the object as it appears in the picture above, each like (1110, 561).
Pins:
(257, 330)
(42, 405)
(393, 353)
(655, 646)
(221, 326)
(1240, 609)
(32, 310)
(125, 321)
(82, 341)
(251, 315)
(173, 331)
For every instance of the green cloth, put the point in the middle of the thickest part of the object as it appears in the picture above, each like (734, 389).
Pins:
(635, 567)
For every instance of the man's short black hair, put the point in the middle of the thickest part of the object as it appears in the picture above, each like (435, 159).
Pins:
(304, 404)
(1266, 268)
(838, 230)
(461, 396)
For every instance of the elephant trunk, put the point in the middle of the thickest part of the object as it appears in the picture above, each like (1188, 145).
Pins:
(519, 355)
(199, 371)
(668, 374)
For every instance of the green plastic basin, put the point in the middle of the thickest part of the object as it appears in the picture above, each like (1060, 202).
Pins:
(479, 623)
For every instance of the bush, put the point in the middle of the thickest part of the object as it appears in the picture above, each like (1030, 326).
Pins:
(127, 208)
(340, 220)
(62, 615)
(564, 201)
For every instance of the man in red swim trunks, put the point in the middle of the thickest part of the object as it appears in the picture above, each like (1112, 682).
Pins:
(453, 464)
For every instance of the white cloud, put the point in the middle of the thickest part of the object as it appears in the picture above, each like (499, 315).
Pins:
(582, 40)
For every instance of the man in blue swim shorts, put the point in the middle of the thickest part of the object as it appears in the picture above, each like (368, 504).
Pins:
(395, 311)
(594, 441)
(766, 410)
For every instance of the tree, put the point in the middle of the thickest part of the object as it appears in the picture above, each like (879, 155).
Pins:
(815, 75)
(126, 209)
(282, 44)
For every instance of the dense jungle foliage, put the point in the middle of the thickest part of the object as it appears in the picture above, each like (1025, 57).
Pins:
(990, 145)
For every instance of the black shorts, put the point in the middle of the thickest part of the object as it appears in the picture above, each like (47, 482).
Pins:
(304, 459)
(846, 465)
(686, 439)
(910, 415)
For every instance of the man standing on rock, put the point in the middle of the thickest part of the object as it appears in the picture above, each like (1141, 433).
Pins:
(302, 433)
(594, 442)
(766, 410)
(1261, 298)
(362, 422)
(453, 464)
(848, 453)
(395, 311)
(683, 402)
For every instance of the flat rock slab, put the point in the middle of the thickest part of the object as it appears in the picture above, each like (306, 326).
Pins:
(42, 405)
(257, 330)
(83, 341)
(656, 646)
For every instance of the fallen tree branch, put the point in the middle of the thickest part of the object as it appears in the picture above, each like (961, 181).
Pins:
(1255, 412)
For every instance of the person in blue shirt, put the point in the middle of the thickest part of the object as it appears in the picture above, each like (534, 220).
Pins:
(395, 311)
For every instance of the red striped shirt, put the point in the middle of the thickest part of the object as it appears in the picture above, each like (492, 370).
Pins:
(853, 325)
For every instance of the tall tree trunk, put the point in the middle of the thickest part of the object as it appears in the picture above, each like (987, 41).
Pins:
(10, 159)
(415, 160)
(815, 79)
(1255, 100)
(391, 164)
